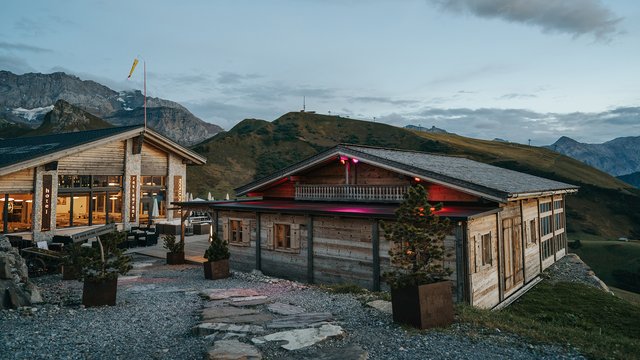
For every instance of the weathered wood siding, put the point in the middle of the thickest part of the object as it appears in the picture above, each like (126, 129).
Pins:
(154, 161)
(285, 190)
(288, 264)
(243, 257)
(560, 247)
(484, 281)
(17, 182)
(102, 160)
(531, 239)
(342, 251)
(440, 193)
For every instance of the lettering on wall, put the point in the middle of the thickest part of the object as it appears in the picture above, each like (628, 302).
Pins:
(133, 185)
(177, 192)
(47, 186)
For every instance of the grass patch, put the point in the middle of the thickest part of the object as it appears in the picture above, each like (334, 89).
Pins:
(599, 325)
(345, 289)
(607, 256)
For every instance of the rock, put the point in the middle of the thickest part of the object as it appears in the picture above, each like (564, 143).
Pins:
(382, 305)
(301, 338)
(15, 288)
(260, 318)
(233, 350)
(300, 320)
(35, 297)
(214, 327)
(349, 352)
(225, 312)
(284, 309)
(220, 294)
(249, 301)
(5, 269)
(5, 244)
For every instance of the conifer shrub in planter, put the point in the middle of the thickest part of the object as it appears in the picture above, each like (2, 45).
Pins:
(420, 293)
(217, 255)
(175, 256)
(98, 267)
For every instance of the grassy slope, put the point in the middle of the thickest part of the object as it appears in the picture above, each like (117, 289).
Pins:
(598, 324)
(606, 256)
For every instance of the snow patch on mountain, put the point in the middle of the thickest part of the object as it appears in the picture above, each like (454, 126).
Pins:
(32, 114)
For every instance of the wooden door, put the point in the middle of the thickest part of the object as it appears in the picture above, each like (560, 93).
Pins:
(517, 251)
(507, 249)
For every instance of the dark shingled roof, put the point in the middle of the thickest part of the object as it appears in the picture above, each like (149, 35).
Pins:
(464, 172)
(488, 180)
(13, 151)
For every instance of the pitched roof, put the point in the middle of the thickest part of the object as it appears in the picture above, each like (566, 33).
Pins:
(466, 175)
(19, 150)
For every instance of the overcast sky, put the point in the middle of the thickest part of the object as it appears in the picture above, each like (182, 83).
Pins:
(510, 69)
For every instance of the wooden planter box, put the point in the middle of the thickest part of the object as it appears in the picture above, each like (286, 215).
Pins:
(175, 258)
(216, 269)
(99, 293)
(424, 306)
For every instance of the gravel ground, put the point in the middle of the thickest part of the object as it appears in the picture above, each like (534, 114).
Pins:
(156, 311)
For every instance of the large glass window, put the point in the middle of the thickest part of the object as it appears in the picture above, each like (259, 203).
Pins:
(63, 211)
(89, 200)
(19, 212)
(152, 188)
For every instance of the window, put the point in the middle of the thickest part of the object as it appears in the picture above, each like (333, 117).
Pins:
(545, 225)
(558, 221)
(546, 249)
(533, 232)
(545, 207)
(282, 236)
(19, 210)
(235, 231)
(558, 204)
(487, 254)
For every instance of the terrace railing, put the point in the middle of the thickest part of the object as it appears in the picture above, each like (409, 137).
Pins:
(351, 193)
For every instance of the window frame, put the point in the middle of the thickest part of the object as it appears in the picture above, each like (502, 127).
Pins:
(487, 249)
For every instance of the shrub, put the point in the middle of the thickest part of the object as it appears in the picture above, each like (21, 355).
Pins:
(100, 263)
(172, 245)
(217, 250)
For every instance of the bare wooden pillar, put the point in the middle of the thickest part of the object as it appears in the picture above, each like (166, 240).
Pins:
(184, 214)
(258, 243)
(375, 247)
(310, 278)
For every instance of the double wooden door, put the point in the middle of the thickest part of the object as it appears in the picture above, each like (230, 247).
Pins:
(512, 252)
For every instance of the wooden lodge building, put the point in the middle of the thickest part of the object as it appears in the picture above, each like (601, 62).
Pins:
(319, 220)
(59, 182)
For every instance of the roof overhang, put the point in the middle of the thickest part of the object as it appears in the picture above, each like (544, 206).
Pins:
(149, 136)
(334, 209)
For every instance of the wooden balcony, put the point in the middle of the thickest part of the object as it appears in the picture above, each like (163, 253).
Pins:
(351, 193)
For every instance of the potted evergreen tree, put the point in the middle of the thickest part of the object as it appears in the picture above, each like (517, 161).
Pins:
(420, 294)
(217, 255)
(175, 256)
(98, 267)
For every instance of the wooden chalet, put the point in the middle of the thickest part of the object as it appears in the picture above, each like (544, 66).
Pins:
(319, 220)
(63, 181)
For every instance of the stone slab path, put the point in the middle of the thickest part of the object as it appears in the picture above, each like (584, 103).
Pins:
(241, 320)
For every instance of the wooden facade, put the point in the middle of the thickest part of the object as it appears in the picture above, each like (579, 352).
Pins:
(88, 178)
(330, 208)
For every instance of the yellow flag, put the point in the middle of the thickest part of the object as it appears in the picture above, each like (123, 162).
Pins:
(133, 67)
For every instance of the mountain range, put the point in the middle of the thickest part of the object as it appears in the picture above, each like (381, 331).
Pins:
(25, 101)
(620, 156)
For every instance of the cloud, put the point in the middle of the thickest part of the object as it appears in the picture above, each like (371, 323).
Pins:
(512, 96)
(463, 76)
(382, 100)
(227, 115)
(23, 47)
(574, 17)
(228, 77)
(15, 64)
(520, 125)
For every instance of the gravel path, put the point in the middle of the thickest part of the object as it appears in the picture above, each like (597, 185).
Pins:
(158, 305)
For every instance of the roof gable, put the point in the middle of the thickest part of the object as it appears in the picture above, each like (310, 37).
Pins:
(28, 150)
(487, 181)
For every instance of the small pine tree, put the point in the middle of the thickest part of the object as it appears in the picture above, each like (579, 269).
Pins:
(97, 265)
(172, 244)
(217, 250)
(418, 236)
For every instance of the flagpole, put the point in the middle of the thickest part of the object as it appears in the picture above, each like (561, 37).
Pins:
(145, 93)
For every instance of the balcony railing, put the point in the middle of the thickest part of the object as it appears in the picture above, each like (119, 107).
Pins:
(351, 193)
